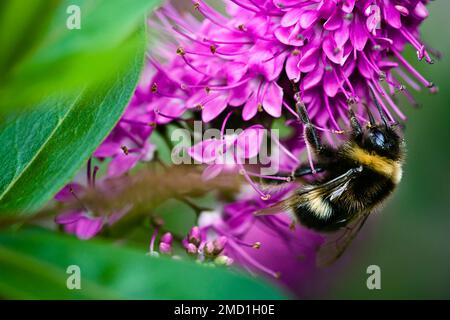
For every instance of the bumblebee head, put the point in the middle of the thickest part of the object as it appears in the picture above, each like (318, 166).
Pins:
(383, 140)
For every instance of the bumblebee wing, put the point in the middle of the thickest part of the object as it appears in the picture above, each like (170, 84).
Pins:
(332, 188)
(335, 246)
(335, 187)
(280, 207)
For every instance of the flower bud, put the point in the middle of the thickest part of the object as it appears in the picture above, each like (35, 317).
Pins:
(194, 236)
(165, 248)
(191, 249)
(167, 238)
(220, 243)
(209, 249)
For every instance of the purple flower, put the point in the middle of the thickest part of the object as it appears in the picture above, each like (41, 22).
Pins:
(250, 62)
(266, 245)
(229, 152)
(165, 244)
(334, 52)
(78, 222)
(256, 57)
(124, 158)
(128, 143)
(83, 222)
(242, 69)
(206, 249)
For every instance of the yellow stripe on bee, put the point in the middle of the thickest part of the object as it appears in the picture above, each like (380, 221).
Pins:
(382, 165)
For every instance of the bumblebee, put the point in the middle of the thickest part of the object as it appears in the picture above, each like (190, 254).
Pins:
(355, 178)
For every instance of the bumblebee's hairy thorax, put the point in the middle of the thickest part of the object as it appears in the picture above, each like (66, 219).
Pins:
(391, 169)
(328, 209)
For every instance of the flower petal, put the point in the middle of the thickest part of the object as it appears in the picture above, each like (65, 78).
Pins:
(215, 106)
(291, 17)
(334, 22)
(67, 193)
(235, 71)
(122, 163)
(292, 69)
(358, 34)
(69, 217)
(308, 18)
(86, 228)
(250, 108)
(249, 141)
(309, 60)
(313, 78)
(330, 84)
(206, 151)
(212, 171)
(108, 149)
(273, 99)
(391, 15)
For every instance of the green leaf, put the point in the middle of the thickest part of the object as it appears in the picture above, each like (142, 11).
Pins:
(41, 55)
(44, 148)
(33, 265)
(22, 25)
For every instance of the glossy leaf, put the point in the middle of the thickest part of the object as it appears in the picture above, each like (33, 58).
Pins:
(41, 55)
(33, 265)
(44, 148)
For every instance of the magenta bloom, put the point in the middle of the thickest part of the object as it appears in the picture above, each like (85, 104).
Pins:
(83, 222)
(333, 51)
(241, 69)
(204, 248)
(228, 153)
(253, 59)
(165, 246)
(78, 222)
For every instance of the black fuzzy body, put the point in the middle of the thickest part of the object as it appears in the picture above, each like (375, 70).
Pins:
(364, 192)
(377, 176)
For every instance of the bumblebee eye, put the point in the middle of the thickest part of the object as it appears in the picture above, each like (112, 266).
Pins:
(378, 138)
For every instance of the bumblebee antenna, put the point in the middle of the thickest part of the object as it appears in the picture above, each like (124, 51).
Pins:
(380, 110)
(369, 113)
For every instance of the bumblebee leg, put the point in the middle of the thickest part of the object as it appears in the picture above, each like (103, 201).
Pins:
(356, 126)
(304, 171)
(310, 134)
(282, 178)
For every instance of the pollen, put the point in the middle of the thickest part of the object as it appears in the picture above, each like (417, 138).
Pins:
(125, 150)
(265, 197)
(256, 245)
(180, 51)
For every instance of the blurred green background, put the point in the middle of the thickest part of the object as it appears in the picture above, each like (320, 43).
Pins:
(409, 239)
